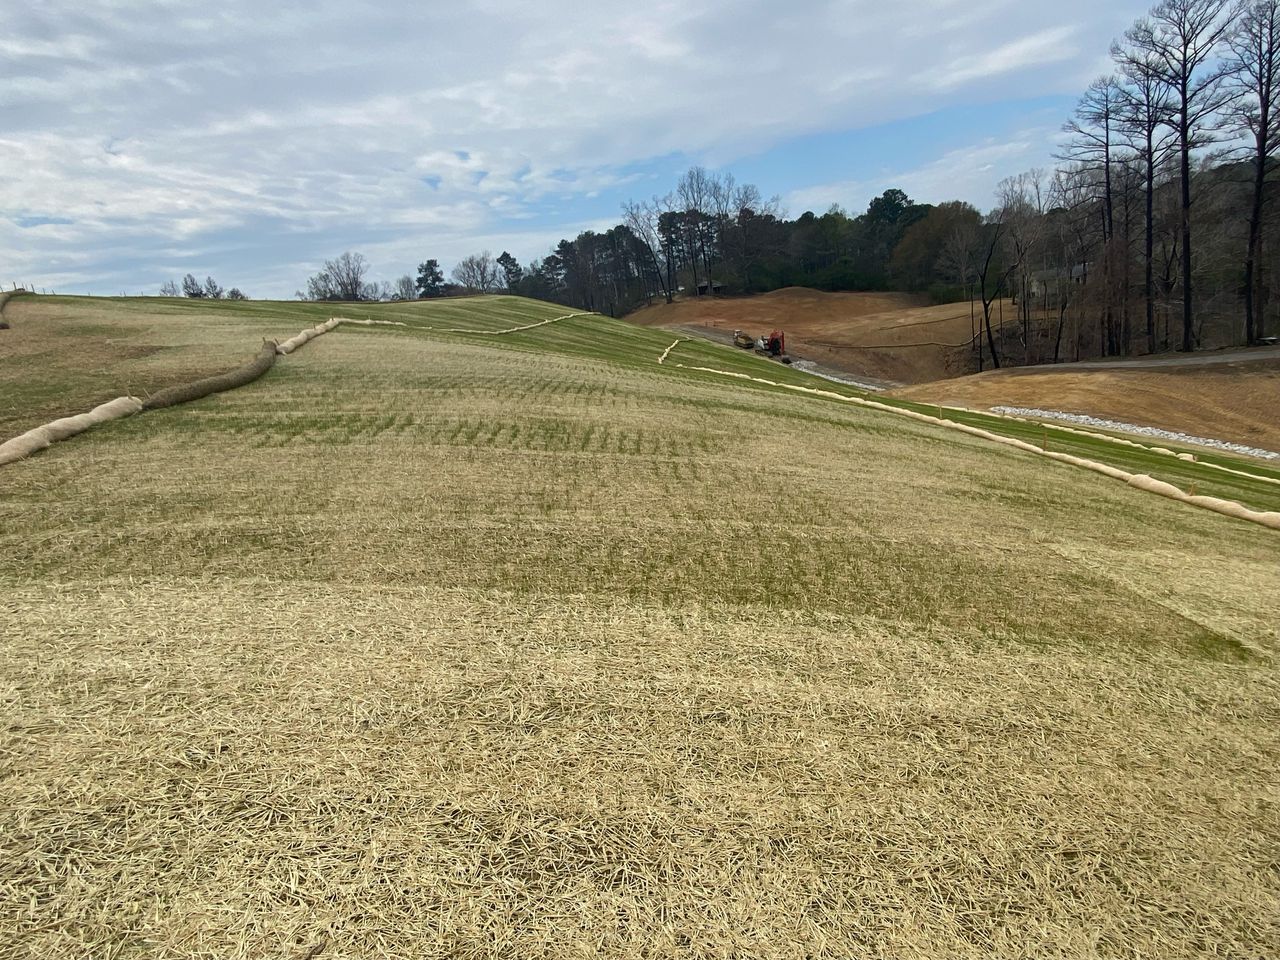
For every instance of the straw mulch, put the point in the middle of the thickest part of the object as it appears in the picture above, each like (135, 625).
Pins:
(1228, 508)
(450, 650)
(186, 392)
(419, 772)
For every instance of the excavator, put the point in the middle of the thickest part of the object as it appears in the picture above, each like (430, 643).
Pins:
(773, 346)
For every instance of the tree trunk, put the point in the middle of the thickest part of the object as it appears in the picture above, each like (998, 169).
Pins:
(1026, 323)
(1149, 243)
(991, 340)
(1062, 322)
(1251, 331)
(1184, 130)
(671, 280)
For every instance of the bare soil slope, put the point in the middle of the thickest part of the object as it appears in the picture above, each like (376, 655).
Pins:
(890, 336)
(1226, 401)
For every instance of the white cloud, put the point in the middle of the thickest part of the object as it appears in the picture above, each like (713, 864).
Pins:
(249, 134)
(967, 173)
(1042, 48)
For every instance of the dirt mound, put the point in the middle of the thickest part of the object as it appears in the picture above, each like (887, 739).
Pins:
(1227, 401)
(887, 336)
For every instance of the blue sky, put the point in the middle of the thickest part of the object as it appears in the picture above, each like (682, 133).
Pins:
(142, 141)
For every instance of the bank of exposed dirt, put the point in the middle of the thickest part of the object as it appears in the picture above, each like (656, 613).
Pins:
(883, 336)
(1237, 401)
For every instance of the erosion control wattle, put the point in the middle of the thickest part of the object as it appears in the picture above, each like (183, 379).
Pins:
(5, 297)
(35, 440)
(1228, 508)
(186, 392)
(39, 438)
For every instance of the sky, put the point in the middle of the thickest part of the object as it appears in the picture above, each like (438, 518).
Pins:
(253, 141)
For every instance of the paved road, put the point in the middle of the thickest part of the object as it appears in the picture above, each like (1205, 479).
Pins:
(1164, 360)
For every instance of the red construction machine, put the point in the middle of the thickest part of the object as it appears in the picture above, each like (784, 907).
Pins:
(774, 345)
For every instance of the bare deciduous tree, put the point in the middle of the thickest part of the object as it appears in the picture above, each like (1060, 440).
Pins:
(1092, 143)
(1253, 75)
(642, 218)
(1021, 201)
(958, 260)
(1145, 116)
(341, 279)
(479, 273)
(405, 289)
(348, 273)
(1181, 39)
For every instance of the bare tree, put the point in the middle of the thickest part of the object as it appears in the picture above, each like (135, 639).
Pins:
(1074, 195)
(479, 273)
(695, 193)
(993, 272)
(347, 273)
(170, 289)
(1253, 66)
(1093, 138)
(1069, 199)
(1145, 118)
(405, 289)
(958, 260)
(1021, 201)
(642, 218)
(1092, 142)
(212, 290)
(341, 279)
(1182, 38)
(191, 287)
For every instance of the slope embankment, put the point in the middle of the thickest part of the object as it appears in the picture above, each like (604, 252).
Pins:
(895, 337)
(1233, 401)
(448, 643)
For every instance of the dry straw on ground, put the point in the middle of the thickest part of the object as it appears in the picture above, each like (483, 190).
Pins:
(543, 656)
(41, 437)
(507, 330)
(1139, 481)
(186, 392)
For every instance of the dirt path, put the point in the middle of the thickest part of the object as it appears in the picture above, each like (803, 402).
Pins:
(1248, 355)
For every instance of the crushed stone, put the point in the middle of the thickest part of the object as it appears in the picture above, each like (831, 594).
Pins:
(1088, 421)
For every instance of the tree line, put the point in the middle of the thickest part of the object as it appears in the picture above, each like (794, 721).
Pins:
(195, 290)
(1154, 232)
(346, 278)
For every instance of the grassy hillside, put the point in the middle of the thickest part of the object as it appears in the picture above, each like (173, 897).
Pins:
(437, 643)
